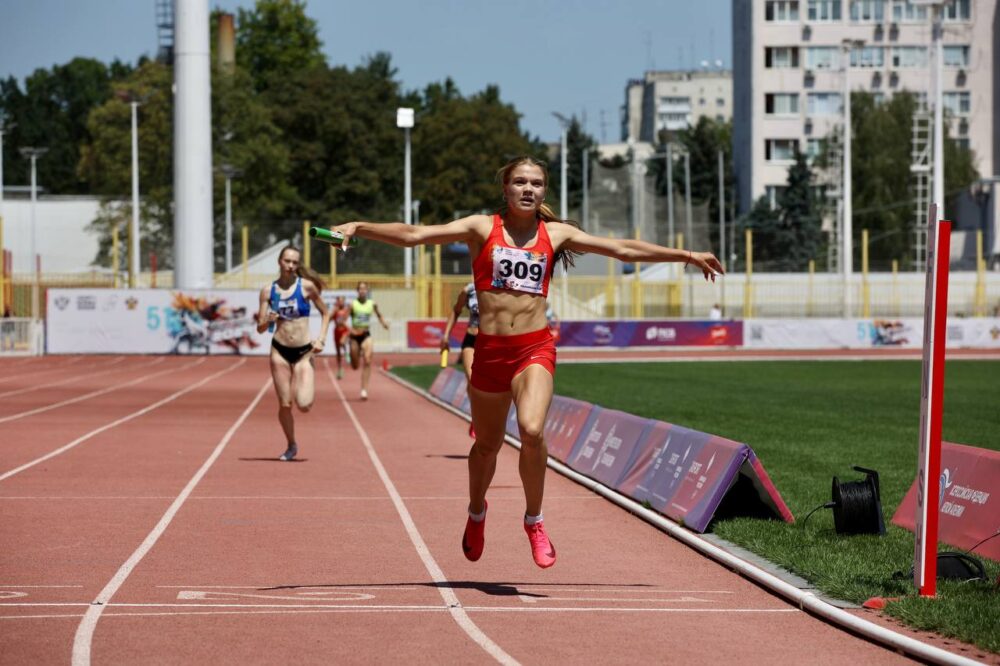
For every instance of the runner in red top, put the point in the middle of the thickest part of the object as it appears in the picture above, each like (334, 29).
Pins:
(341, 329)
(515, 253)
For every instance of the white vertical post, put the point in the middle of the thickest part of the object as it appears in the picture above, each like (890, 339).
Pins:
(134, 264)
(722, 227)
(938, 79)
(670, 195)
(193, 263)
(585, 214)
(847, 227)
(229, 227)
(404, 120)
(563, 178)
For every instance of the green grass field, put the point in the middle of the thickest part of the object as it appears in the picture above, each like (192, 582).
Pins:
(809, 421)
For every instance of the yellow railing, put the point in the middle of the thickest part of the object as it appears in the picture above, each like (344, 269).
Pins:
(430, 293)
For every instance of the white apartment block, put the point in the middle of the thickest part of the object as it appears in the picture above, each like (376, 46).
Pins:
(791, 58)
(673, 100)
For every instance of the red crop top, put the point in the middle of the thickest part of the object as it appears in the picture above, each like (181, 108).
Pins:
(502, 266)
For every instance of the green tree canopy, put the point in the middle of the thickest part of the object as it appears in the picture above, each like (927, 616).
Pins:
(276, 39)
(51, 113)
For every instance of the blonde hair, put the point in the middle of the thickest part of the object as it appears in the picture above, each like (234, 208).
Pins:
(302, 271)
(545, 212)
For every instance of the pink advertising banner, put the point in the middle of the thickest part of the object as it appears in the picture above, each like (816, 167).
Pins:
(967, 501)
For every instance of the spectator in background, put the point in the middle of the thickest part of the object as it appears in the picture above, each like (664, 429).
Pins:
(7, 341)
(715, 314)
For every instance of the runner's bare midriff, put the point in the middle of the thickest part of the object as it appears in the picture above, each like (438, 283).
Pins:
(503, 312)
(293, 332)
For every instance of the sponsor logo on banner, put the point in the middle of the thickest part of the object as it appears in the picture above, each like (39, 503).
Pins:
(661, 334)
(995, 333)
(86, 303)
(196, 322)
(603, 334)
(110, 302)
(887, 333)
(131, 302)
(61, 302)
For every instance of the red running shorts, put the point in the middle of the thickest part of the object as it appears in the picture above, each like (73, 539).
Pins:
(499, 358)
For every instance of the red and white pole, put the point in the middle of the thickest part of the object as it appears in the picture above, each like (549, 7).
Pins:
(931, 404)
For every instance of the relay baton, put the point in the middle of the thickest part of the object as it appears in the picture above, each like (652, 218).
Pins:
(444, 358)
(331, 237)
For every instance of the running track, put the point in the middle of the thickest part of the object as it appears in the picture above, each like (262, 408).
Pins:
(145, 519)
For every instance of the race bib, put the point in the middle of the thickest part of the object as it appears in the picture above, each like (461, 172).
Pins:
(519, 270)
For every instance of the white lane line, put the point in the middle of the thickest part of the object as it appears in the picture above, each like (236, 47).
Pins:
(124, 419)
(86, 375)
(85, 632)
(39, 371)
(4, 586)
(437, 575)
(94, 394)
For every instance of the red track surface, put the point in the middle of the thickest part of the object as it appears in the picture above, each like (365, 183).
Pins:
(258, 561)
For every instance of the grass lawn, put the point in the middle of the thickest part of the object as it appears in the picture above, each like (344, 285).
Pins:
(809, 421)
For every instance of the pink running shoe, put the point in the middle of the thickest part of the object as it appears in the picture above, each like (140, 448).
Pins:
(472, 431)
(474, 539)
(542, 550)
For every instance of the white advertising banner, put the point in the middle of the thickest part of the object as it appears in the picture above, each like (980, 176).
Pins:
(908, 333)
(159, 321)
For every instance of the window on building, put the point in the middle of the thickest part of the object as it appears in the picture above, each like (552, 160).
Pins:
(720, 102)
(963, 144)
(824, 104)
(867, 11)
(701, 101)
(956, 56)
(774, 194)
(675, 101)
(867, 56)
(958, 10)
(813, 149)
(824, 10)
(958, 103)
(781, 57)
(904, 11)
(780, 150)
(781, 10)
(909, 56)
(822, 57)
(781, 104)
(878, 98)
(719, 118)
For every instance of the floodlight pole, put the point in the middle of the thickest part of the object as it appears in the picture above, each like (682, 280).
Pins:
(404, 120)
(133, 268)
(33, 154)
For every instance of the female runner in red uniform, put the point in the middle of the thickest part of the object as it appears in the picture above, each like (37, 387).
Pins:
(515, 254)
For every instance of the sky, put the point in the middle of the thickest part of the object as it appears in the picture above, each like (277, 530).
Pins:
(573, 57)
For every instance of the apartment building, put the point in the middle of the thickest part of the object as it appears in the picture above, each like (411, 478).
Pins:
(794, 60)
(673, 100)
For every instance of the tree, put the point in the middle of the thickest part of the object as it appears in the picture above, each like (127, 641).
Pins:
(577, 141)
(276, 39)
(703, 141)
(788, 235)
(105, 162)
(881, 178)
(52, 113)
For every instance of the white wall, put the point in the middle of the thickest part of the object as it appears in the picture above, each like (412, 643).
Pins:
(63, 241)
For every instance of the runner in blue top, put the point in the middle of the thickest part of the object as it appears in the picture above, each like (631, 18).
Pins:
(284, 309)
(466, 299)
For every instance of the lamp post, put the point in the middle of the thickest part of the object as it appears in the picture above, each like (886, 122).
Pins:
(230, 172)
(33, 154)
(4, 127)
(563, 167)
(585, 199)
(847, 226)
(404, 121)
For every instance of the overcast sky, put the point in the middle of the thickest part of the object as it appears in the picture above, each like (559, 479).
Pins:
(569, 56)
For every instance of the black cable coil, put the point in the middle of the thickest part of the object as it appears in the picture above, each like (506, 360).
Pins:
(857, 505)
